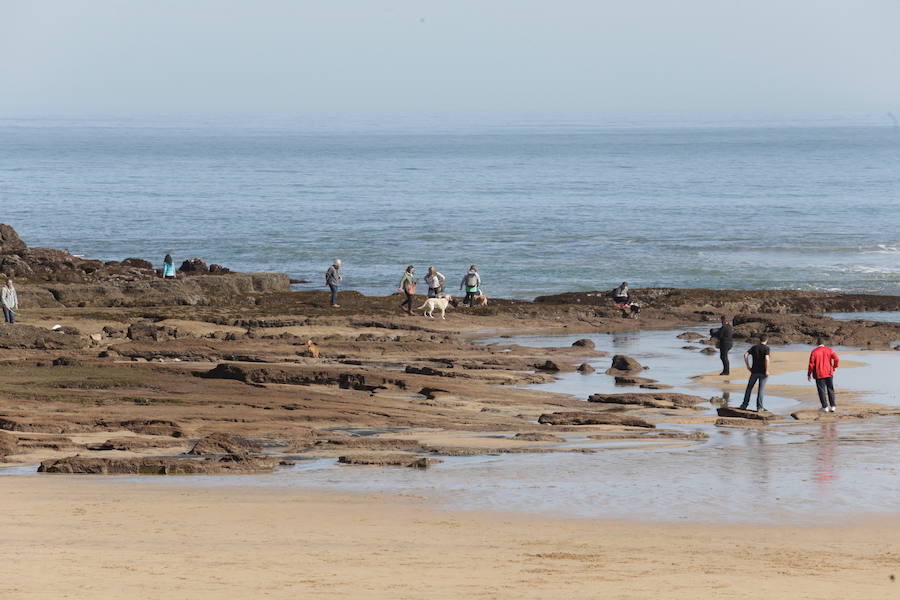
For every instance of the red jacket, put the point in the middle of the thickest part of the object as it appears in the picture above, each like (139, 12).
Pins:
(822, 362)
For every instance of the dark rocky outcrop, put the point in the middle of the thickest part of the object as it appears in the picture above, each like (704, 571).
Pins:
(157, 465)
(8, 444)
(538, 437)
(388, 460)
(593, 418)
(10, 243)
(584, 343)
(223, 443)
(624, 365)
(649, 399)
(359, 379)
(194, 266)
(585, 369)
(138, 263)
(153, 427)
(31, 337)
(67, 361)
(632, 380)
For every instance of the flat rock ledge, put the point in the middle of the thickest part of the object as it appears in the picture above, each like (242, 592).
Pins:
(78, 465)
(649, 399)
(593, 418)
(388, 460)
(744, 423)
(740, 413)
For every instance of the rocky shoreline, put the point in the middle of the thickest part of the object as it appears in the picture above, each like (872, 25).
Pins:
(139, 369)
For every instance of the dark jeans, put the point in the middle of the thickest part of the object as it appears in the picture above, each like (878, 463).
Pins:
(408, 302)
(334, 291)
(9, 315)
(754, 378)
(435, 292)
(723, 354)
(825, 387)
(470, 299)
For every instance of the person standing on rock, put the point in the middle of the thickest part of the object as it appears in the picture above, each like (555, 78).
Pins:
(10, 301)
(408, 287)
(725, 338)
(435, 280)
(333, 279)
(759, 372)
(168, 271)
(823, 362)
(471, 282)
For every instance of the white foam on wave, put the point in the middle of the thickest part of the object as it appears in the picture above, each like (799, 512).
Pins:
(884, 249)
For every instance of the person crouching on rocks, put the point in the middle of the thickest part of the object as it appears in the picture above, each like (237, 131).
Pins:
(168, 271)
(471, 282)
(435, 281)
(408, 287)
(10, 301)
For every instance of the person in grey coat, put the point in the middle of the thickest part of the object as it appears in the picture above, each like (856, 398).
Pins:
(10, 301)
(333, 279)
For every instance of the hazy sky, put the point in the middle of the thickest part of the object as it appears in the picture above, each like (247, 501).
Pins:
(77, 57)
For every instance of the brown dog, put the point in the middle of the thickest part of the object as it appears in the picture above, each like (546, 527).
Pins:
(313, 348)
(481, 300)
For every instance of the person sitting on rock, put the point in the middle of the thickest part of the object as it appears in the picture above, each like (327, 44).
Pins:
(10, 301)
(168, 271)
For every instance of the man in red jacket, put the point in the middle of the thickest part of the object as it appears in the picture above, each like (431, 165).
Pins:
(823, 361)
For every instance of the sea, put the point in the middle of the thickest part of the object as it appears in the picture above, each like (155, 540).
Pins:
(540, 205)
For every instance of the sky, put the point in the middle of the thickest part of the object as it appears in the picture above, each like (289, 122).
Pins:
(278, 57)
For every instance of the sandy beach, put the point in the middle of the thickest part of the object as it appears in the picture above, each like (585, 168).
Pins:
(65, 538)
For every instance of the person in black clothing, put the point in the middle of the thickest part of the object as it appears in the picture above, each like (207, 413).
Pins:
(759, 371)
(725, 337)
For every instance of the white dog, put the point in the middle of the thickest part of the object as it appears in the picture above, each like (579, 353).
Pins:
(437, 303)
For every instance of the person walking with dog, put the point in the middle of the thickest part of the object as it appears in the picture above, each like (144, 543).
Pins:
(823, 362)
(435, 281)
(471, 282)
(759, 372)
(725, 340)
(408, 287)
(10, 301)
(333, 279)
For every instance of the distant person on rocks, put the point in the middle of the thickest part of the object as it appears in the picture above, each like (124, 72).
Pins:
(725, 340)
(759, 371)
(823, 362)
(471, 283)
(623, 301)
(333, 279)
(168, 267)
(408, 287)
(435, 281)
(10, 301)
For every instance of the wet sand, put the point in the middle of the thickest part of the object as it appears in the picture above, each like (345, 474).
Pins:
(87, 538)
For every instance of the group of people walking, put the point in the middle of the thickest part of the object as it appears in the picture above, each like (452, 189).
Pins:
(823, 362)
(434, 280)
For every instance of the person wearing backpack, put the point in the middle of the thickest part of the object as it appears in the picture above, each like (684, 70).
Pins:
(408, 287)
(471, 282)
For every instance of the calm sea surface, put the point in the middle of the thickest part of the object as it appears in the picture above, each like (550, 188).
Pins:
(540, 208)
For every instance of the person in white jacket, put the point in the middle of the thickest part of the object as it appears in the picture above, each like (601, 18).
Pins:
(10, 301)
(435, 280)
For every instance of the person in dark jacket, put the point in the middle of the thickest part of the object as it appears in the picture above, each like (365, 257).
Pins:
(759, 372)
(407, 285)
(333, 278)
(724, 340)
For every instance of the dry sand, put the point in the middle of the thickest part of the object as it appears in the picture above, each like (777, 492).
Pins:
(91, 539)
